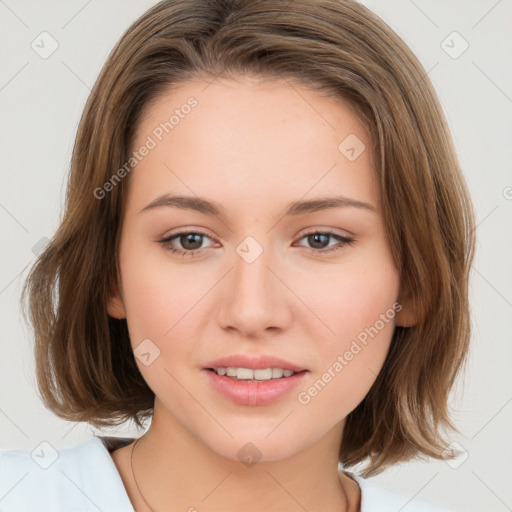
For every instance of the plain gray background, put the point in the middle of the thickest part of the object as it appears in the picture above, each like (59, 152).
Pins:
(41, 100)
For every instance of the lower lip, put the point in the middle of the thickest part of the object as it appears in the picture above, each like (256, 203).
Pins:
(262, 392)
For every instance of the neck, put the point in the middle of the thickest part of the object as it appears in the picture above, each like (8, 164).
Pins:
(173, 468)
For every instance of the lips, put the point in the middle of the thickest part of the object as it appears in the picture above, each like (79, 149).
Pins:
(261, 361)
(252, 392)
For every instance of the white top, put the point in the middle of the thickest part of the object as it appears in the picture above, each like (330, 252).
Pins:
(85, 479)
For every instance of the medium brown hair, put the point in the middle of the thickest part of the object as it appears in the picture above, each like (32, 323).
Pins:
(86, 369)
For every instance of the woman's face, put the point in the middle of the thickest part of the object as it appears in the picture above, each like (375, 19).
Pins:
(253, 280)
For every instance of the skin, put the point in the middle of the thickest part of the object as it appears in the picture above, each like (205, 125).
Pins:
(252, 146)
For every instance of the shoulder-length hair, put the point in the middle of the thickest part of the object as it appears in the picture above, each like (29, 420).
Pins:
(85, 365)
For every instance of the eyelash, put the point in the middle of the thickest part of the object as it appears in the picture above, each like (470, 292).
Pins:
(344, 240)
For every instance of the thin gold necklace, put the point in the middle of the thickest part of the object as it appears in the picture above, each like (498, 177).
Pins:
(133, 474)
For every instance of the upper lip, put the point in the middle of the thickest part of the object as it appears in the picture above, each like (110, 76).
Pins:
(261, 361)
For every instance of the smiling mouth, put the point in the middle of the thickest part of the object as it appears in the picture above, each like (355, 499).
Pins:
(254, 386)
(254, 375)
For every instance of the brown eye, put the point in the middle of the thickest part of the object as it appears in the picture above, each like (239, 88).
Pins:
(319, 241)
(189, 243)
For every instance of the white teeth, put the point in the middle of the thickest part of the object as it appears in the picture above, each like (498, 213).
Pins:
(277, 373)
(265, 374)
(244, 373)
(257, 374)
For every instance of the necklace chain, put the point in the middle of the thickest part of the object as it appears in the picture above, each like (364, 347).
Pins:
(144, 499)
(133, 474)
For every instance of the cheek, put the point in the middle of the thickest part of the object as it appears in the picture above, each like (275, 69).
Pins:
(159, 304)
(157, 294)
(359, 306)
(352, 296)
(155, 301)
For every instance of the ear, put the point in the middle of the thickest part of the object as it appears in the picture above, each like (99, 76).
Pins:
(407, 316)
(115, 304)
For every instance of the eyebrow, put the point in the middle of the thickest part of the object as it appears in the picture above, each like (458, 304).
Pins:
(206, 207)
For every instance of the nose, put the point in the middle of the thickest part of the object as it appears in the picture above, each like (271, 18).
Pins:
(255, 300)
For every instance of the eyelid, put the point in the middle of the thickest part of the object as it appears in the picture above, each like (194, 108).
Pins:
(186, 231)
(167, 240)
(342, 239)
(334, 231)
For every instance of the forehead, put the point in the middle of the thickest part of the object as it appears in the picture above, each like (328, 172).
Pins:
(251, 105)
(261, 138)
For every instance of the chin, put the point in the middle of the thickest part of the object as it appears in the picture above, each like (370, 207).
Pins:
(260, 446)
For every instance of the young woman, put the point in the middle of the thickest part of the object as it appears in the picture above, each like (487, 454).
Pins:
(265, 251)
